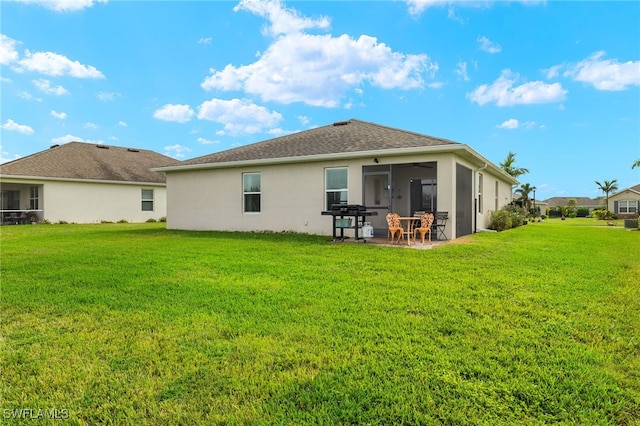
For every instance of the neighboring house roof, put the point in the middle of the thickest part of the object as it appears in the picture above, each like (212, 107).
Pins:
(338, 138)
(345, 139)
(635, 189)
(87, 161)
(580, 201)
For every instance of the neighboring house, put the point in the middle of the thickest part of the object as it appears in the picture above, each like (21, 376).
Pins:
(625, 204)
(84, 183)
(284, 184)
(586, 202)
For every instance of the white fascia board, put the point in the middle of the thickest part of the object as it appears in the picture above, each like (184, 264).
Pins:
(13, 178)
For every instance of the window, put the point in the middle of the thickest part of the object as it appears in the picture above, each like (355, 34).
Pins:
(33, 198)
(495, 197)
(10, 200)
(628, 206)
(251, 192)
(147, 200)
(480, 186)
(335, 186)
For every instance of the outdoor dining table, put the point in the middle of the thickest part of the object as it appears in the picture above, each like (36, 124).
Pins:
(408, 227)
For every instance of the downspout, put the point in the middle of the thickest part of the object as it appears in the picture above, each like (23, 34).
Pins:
(475, 193)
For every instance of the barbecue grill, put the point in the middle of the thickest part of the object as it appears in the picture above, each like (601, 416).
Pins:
(342, 214)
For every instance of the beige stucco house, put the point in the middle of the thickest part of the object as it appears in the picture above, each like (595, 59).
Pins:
(84, 183)
(284, 184)
(626, 203)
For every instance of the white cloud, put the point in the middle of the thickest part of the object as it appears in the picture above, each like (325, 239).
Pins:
(416, 7)
(15, 127)
(176, 151)
(282, 20)
(552, 72)
(28, 96)
(64, 5)
(71, 138)
(178, 113)
(44, 86)
(206, 141)
(122, 124)
(503, 92)
(53, 64)
(107, 96)
(605, 74)
(90, 125)
(59, 115)
(489, 46)
(461, 71)
(205, 40)
(8, 51)
(512, 123)
(317, 69)
(238, 116)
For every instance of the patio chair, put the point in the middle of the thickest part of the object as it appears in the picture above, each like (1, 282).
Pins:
(394, 227)
(426, 220)
(440, 224)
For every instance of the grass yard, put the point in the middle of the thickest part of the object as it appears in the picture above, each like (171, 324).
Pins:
(134, 324)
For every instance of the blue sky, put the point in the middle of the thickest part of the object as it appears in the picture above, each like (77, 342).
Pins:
(558, 83)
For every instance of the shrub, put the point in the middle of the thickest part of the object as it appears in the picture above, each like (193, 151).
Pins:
(510, 216)
(151, 220)
(500, 220)
(602, 214)
(163, 219)
(582, 212)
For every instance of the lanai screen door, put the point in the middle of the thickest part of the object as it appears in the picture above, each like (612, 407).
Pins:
(377, 197)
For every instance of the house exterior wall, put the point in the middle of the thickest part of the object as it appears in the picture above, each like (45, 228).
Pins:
(625, 195)
(293, 194)
(493, 194)
(89, 202)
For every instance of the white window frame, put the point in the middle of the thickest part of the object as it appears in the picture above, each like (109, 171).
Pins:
(344, 191)
(147, 200)
(251, 192)
(480, 185)
(34, 199)
(628, 206)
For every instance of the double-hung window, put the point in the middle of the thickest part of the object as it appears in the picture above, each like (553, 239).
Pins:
(336, 186)
(251, 191)
(628, 206)
(147, 200)
(33, 198)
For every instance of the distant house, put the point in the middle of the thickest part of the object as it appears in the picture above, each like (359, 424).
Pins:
(284, 184)
(584, 202)
(625, 203)
(84, 183)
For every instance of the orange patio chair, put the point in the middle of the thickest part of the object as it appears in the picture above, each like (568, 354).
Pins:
(426, 220)
(394, 227)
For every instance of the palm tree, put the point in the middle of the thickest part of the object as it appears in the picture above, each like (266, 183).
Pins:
(524, 191)
(636, 164)
(508, 166)
(607, 187)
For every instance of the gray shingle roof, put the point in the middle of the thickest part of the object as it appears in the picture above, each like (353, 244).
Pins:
(580, 201)
(79, 160)
(342, 137)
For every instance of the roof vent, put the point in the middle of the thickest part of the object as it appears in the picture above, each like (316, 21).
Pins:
(133, 150)
(102, 146)
(54, 146)
(341, 123)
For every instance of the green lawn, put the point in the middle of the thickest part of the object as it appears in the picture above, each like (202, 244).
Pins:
(134, 324)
